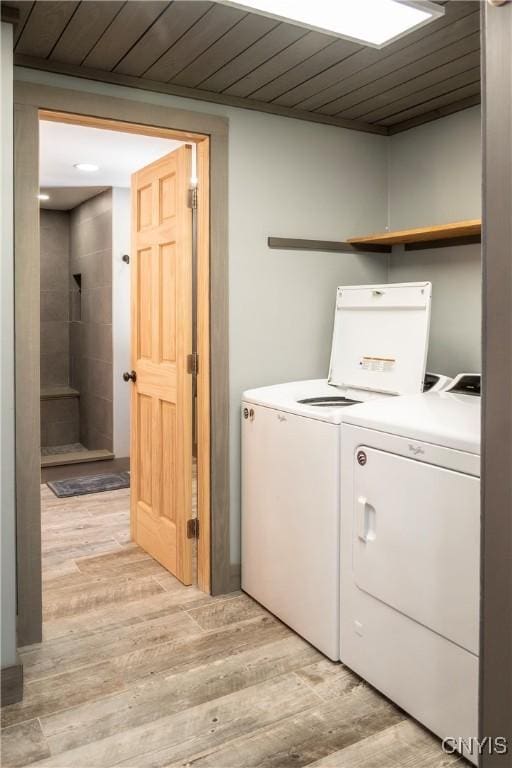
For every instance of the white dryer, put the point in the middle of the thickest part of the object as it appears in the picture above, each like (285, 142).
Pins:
(291, 454)
(410, 552)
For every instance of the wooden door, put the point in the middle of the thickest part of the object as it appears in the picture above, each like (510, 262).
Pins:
(161, 403)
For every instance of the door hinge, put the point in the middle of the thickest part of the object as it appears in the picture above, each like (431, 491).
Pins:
(193, 528)
(193, 363)
(192, 198)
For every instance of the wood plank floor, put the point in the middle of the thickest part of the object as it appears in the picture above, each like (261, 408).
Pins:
(137, 670)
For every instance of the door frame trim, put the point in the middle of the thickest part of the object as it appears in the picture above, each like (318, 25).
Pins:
(495, 699)
(29, 101)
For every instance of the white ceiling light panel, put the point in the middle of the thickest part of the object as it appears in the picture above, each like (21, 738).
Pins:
(372, 22)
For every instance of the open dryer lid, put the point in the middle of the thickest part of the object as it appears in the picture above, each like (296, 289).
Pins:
(380, 337)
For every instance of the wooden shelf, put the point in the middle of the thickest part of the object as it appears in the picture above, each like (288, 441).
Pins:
(444, 234)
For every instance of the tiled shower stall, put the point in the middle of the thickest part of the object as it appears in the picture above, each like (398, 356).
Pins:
(76, 330)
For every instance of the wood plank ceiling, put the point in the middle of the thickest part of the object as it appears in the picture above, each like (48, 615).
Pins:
(218, 53)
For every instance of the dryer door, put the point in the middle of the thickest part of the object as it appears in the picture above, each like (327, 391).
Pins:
(417, 542)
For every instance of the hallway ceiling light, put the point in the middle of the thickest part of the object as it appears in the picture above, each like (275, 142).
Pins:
(43, 196)
(373, 22)
(88, 167)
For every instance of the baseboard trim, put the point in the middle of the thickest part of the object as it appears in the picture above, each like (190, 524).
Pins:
(11, 684)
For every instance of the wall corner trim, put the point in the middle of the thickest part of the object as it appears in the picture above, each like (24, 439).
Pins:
(12, 684)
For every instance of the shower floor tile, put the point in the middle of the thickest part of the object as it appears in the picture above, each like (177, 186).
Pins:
(72, 453)
(53, 450)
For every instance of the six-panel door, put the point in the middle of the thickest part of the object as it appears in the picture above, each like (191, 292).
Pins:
(161, 458)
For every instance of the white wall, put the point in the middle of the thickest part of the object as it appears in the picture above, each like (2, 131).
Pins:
(435, 172)
(7, 488)
(435, 176)
(121, 318)
(286, 178)
(455, 327)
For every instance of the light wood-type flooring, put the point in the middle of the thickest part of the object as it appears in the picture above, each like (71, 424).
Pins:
(137, 670)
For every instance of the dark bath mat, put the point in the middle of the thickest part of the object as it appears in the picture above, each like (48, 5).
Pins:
(79, 486)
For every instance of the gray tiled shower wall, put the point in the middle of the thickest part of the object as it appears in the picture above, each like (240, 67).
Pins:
(59, 416)
(76, 299)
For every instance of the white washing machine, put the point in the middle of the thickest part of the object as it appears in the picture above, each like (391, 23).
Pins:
(291, 454)
(410, 552)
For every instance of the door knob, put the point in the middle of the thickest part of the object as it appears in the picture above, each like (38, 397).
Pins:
(127, 376)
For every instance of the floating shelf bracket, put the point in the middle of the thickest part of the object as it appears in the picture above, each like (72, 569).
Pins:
(327, 246)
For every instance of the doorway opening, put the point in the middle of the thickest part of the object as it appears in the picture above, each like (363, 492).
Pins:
(210, 135)
(124, 250)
